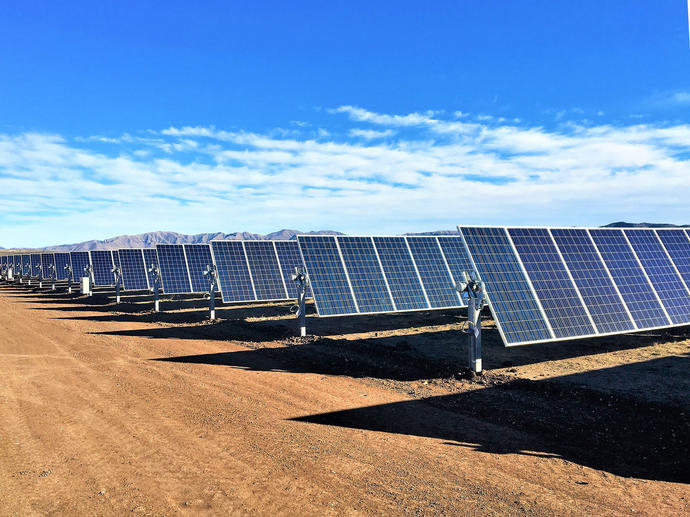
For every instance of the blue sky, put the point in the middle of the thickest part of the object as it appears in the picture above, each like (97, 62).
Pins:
(363, 117)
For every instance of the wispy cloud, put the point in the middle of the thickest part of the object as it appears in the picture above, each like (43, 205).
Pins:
(406, 172)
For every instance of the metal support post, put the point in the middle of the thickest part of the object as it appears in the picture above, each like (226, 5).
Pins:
(212, 276)
(70, 278)
(117, 273)
(474, 290)
(156, 286)
(301, 277)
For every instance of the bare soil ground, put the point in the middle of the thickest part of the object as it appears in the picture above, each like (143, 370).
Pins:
(112, 410)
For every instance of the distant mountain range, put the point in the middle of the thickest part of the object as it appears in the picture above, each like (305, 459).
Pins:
(150, 239)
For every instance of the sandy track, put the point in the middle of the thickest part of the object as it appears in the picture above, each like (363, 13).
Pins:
(91, 424)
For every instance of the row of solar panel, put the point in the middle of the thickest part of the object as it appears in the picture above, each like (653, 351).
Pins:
(368, 275)
(247, 271)
(546, 284)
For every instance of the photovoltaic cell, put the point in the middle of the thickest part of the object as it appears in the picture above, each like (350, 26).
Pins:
(592, 280)
(629, 277)
(116, 258)
(25, 265)
(133, 270)
(263, 264)
(551, 282)
(102, 262)
(661, 272)
(438, 284)
(79, 259)
(677, 244)
(332, 293)
(48, 265)
(173, 268)
(289, 258)
(36, 265)
(233, 272)
(366, 276)
(198, 259)
(61, 262)
(515, 309)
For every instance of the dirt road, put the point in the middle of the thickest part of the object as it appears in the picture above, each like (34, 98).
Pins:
(105, 413)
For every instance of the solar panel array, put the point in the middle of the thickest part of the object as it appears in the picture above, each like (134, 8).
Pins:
(36, 265)
(548, 284)
(256, 270)
(369, 275)
(62, 260)
(173, 268)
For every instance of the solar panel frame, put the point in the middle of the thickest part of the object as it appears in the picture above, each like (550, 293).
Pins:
(172, 263)
(25, 264)
(48, 265)
(234, 276)
(133, 269)
(62, 259)
(102, 263)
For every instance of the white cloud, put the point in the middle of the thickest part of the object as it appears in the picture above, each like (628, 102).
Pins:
(428, 173)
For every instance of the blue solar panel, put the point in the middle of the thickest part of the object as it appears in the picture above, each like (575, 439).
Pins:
(665, 280)
(134, 277)
(47, 265)
(263, 264)
(438, 284)
(289, 258)
(116, 258)
(366, 276)
(677, 244)
(80, 259)
(25, 265)
(332, 293)
(512, 302)
(456, 256)
(102, 262)
(150, 259)
(36, 265)
(173, 268)
(402, 277)
(61, 261)
(233, 272)
(630, 279)
(198, 260)
(592, 280)
(551, 282)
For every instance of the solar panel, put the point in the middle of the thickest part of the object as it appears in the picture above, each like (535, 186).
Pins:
(48, 265)
(666, 281)
(134, 275)
(173, 268)
(234, 279)
(116, 258)
(36, 265)
(198, 259)
(329, 282)
(61, 260)
(434, 272)
(289, 258)
(25, 265)
(79, 259)
(677, 245)
(263, 263)
(547, 273)
(367, 275)
(518, 315)
(632, 282)
(150, 259)
(102, 262)
(593, 281)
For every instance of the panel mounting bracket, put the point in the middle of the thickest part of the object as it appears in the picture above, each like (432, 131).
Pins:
(302, 279)
(474, 289)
